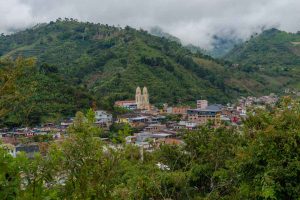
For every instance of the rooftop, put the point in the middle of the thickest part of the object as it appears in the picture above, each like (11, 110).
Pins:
(214, 108)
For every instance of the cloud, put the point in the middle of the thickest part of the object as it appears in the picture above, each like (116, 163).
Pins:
(193, 21)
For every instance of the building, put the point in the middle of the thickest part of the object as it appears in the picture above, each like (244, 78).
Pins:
(202, 116)
(143, 136)
(182, 110)
(128, 104)
(103, 118)
(66, 123)
(158, 119)
(185, 125)
(142, 99)
(155, 128)
(202, 104)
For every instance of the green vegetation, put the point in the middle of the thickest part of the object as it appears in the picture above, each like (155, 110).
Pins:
(32, 94)
(261, 161)
(110, 62)
(272, 56)
(119, 131)
(78, 64)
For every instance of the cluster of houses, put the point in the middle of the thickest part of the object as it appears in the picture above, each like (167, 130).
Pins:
(271, 99)
(157, 127)
(153, 126)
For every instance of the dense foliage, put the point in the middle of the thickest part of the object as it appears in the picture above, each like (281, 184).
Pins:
(273, 56)
(32, 94)
(259, 162)
(110, 62)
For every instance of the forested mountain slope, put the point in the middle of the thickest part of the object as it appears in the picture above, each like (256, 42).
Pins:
(103, 64)
(110, 62)
(274, 55)
(32, 94)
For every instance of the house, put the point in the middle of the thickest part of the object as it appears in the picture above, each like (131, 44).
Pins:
(140, 119)
(103, 118)
(155, 127)
(66, 123)
(128, 104)
(178, 126)
(143, 136)
(122, 119)
(139, 122)
(191, 125)
(157, 119)
(134, 119)
(185, 125)
(180, 110)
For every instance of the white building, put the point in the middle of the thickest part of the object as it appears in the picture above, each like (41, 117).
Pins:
(202, 104)
(102, 117)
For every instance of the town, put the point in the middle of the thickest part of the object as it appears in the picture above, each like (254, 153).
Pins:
(153, 100)
(150, 126)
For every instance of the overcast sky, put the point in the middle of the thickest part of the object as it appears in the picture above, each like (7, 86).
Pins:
(193, 21)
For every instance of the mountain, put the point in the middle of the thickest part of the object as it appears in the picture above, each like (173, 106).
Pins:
(107, 63)
(273, 55)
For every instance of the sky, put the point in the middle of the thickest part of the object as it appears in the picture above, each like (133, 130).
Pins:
(193, 21)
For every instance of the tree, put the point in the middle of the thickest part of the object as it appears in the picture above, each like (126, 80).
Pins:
(210, 150)
(88, 167)
(268, 165)
(9, 176)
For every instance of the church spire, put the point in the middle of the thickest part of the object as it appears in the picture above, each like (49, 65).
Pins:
(138, 97)
(142, 99)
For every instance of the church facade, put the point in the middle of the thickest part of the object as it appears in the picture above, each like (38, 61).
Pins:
(142, 98)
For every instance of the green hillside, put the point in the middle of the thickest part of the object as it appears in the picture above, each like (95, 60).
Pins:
(32, 94)
(103, 64)
(110, 62)
(272, 55)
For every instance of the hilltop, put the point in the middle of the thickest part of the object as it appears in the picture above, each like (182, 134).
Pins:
(273, 55)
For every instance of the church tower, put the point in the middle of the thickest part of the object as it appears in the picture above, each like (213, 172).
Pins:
(138, 97)
(146, 98)
(142, 99)
(146, 104)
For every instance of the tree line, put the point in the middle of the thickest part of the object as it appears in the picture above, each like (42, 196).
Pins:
(258, 161)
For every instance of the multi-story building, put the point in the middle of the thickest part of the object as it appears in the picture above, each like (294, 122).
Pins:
(182, 110)
(202, 104)
(202, 116)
